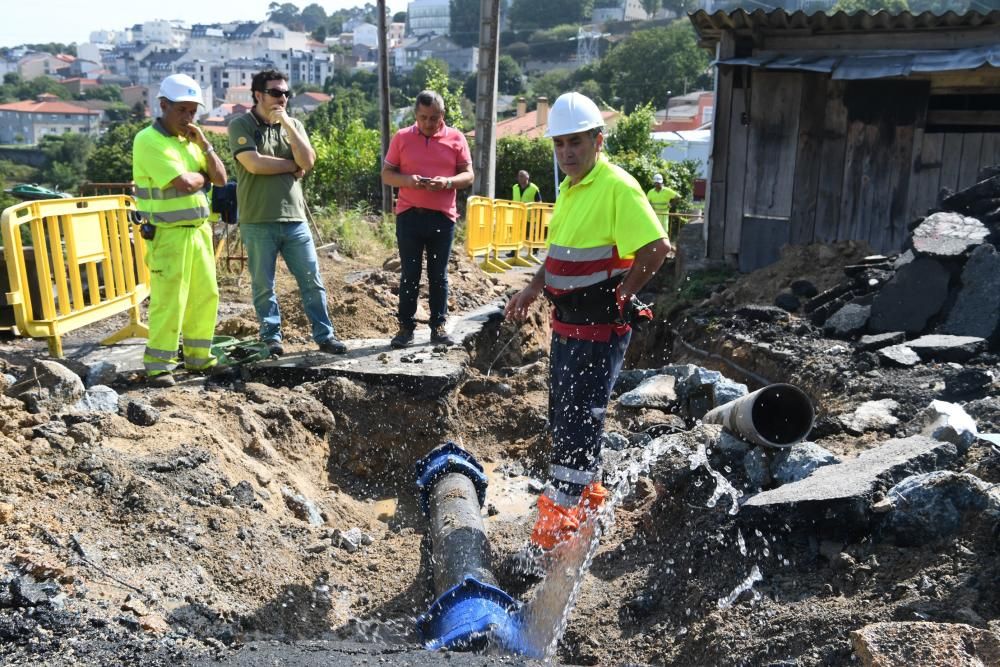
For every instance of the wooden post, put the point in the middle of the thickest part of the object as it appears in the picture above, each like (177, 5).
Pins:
(383, 95)
(486, 95)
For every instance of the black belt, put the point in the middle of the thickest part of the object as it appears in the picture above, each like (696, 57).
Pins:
(595, 304)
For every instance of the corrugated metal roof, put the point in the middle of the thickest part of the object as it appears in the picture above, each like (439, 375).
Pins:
(875, 64)
(710, 26)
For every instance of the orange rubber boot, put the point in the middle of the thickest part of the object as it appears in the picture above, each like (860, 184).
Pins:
(591, 500)
(555, 524)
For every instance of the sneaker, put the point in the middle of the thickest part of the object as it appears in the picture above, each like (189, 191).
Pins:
(333, 346)
(275, 348)
(161, 380)
(403, 338)
(440, 337)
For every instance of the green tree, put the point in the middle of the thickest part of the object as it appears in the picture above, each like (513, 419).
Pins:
(67, 156)
(112, 93)
(551, 84)
(465, 22)
(346, 105)
(348, 162)
(111, 159)
(509, 76)
(432, 74)
(651, 6)
(399, 17)
(532, 14)
(649, 65)
(632, 134)
(286, 14)
(313, 17)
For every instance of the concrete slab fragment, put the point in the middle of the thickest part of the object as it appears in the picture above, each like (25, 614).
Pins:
(655, 392)
(977, 309)
(923, 643)
(838, 497)
(948, 235)
(942, 347)
(878, 341)
(914, 295)
(899, 355)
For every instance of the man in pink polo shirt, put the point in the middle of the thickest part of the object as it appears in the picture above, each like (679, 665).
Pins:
(428, 162)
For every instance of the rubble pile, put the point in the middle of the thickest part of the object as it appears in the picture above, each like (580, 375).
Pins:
(939, 299)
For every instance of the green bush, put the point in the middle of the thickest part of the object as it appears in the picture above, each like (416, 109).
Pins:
(534, 155)
(348, 168)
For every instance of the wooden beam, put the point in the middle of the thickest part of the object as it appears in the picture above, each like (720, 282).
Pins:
(956, 117)
(718, 164)
(943, 38)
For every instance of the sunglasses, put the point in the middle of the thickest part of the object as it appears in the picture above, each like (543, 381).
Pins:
(277, 92)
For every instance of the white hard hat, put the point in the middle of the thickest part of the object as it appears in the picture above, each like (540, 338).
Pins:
(657, 178)
(571, 113)
(180, 88)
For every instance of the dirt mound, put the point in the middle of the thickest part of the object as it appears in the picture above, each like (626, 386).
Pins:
(363, 301)
(820, 264)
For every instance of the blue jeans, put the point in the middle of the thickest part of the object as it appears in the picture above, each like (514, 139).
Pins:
(264, 241)
(418, 230)
(581, 376)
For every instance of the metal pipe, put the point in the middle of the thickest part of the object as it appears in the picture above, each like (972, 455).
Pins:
(471, 611)
(778, 415)
(459, 534)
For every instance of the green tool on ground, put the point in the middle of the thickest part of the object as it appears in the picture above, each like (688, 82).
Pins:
(232, 351)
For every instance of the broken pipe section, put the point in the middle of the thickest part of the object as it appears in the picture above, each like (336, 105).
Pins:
(471, 611)
(779, 415)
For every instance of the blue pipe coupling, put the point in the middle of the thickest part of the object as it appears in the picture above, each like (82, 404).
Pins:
(443, 460)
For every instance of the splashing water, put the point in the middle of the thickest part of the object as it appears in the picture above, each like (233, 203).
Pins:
(546, 615)
(699, 458)
(744, 586)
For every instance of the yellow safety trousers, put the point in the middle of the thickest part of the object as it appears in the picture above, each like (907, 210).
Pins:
(183, 298)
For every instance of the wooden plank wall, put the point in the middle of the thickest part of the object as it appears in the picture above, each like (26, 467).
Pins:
(833, 172)
(723, 122)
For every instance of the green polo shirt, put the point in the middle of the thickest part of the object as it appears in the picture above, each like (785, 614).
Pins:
(265, 198)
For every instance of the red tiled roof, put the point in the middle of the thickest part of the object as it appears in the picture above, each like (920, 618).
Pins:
(527, 125)
(29, 106)
(318, 97)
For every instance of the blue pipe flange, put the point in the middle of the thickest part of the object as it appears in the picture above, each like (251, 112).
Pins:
(445, 459)
(470, 616)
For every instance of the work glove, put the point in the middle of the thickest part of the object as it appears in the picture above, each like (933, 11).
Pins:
(631, 311)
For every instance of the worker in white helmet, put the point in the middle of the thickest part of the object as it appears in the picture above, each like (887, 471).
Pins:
(173, 166)
(604, 244)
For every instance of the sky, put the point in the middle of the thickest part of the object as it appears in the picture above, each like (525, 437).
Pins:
(66, 21)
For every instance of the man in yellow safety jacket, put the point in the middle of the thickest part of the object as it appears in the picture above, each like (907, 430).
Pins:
(659, 198)
(173, 166)
(604, 245)
(524, 190)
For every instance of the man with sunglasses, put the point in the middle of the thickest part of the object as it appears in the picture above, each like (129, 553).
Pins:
(272, 155)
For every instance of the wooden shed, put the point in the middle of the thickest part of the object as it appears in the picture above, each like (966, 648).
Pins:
(843, 127)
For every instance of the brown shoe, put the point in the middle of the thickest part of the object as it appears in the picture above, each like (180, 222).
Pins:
(161, 380)
(403, 338)
(440, 337)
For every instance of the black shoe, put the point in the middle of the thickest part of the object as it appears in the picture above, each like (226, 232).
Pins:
(333, 346)
(161, 380)
(440, 337)
(275, 348)
(403, 338)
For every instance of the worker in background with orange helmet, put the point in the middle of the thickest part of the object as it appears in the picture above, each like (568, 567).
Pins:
(604, 244)
(174, 167)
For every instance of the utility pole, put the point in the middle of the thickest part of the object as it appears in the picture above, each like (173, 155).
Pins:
(486, 98)
(383, 94)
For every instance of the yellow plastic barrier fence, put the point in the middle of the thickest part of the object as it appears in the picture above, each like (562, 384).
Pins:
(509, 221)
(537, 229)
(78, 263)
(479, 232)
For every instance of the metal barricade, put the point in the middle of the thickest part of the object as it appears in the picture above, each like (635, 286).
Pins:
(479, 232)
(509, 221)
(87, 266)
(536, 231)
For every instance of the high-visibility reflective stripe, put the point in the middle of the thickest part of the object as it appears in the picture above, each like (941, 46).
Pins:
(160, 354)
(196, 214)
(200, 363)
(571, 475)
(197, 342)
(554, 281)
(560, 498)
(158, 366)
(156, 193)
(568, 254)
